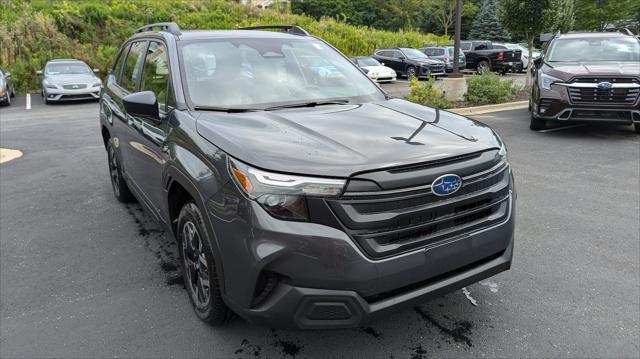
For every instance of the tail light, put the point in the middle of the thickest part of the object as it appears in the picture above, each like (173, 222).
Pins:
(446, 59)
(500, 56)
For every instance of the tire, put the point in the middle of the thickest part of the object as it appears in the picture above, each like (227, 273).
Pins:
(197, 263)
(120, 189)
(537, 124)
(411, 72)
(13, 91)
(636, 127)
(7, 102)
(482, 67)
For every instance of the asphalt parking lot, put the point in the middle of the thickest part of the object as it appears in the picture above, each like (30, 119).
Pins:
(82, 275)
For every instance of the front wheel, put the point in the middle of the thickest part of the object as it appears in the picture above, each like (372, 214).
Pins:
(483, 67)
(200, 275)
(411, 72)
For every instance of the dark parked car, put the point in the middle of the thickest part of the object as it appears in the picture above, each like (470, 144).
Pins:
(409, 62)
(482, 57)
(300, 197)
(7, 91)
(445, 54)
(587, 77)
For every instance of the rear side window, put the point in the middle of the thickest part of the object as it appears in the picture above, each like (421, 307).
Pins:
(117, 67)
(132, 66)
(155, 74)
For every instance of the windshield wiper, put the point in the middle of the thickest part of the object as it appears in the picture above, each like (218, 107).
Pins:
(308, 104)
(223, 109)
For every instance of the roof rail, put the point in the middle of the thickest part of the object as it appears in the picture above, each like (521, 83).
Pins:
(170, 27)
(289, 29)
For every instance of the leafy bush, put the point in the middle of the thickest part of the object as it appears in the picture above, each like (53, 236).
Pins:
(425, 93)
(488, 88)
(32, 32)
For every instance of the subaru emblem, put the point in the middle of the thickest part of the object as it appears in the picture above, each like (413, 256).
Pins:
(446, 185)
(75, 86)
(604, 85)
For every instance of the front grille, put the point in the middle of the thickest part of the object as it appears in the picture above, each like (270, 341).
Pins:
(390, 223)
(77, 96)
(74, 86)
(436, 68)
(585, 90)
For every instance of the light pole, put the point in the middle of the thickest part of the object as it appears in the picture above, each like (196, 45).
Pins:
(456, 41)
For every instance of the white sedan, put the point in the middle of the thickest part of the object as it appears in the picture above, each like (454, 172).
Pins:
(375, 70)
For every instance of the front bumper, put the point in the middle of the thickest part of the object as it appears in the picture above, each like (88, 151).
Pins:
(556, 104)
(449, 66)
(324, 280)
(387, 77)
(89, 93)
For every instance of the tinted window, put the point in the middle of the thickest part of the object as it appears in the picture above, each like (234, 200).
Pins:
(155, 73)
(368, 61)
(384, 53)
(117, 68)
(625, 49)
(414, 54)
(132, 65)
(465, 46)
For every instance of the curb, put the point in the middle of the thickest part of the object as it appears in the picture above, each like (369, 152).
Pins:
(477, 110)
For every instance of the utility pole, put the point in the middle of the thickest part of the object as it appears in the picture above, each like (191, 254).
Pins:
(456, 41)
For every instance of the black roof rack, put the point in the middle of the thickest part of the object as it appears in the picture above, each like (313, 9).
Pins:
(289, 29)
(170, 27)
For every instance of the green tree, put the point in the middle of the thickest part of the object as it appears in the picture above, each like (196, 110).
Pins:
(529, 18)
(596, 14)
(486, 25)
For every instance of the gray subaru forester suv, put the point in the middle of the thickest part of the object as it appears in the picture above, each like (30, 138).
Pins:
(300, 194)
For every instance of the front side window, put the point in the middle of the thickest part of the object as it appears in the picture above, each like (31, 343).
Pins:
(624, 49)
(132, 66)
(117, 68)
(155, 73)
(67, 68)
(260, 73)
(414, 54)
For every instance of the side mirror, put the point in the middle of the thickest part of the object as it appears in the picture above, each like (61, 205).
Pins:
(39, 72)
(537, 61)
(142, 104)
(96, 70)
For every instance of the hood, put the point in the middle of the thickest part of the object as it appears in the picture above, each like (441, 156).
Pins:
(337, 141)
(72, 78)
(379, 69)
(429, 61)
(568, 70)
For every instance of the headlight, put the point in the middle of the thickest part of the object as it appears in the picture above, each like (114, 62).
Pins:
(373, 73)
(49, 85)
(282, 195)
(547, 80)
(97, 84)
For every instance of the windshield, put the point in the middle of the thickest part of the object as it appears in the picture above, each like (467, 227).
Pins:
(414, 54)
(75, 68)
(625, 49)
(260, 73)
(368, 61)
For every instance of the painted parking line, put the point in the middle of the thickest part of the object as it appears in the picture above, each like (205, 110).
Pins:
(28, 106)
(562, 128)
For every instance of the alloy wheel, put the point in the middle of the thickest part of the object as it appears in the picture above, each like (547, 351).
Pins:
(195, 266)
(113, 171)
